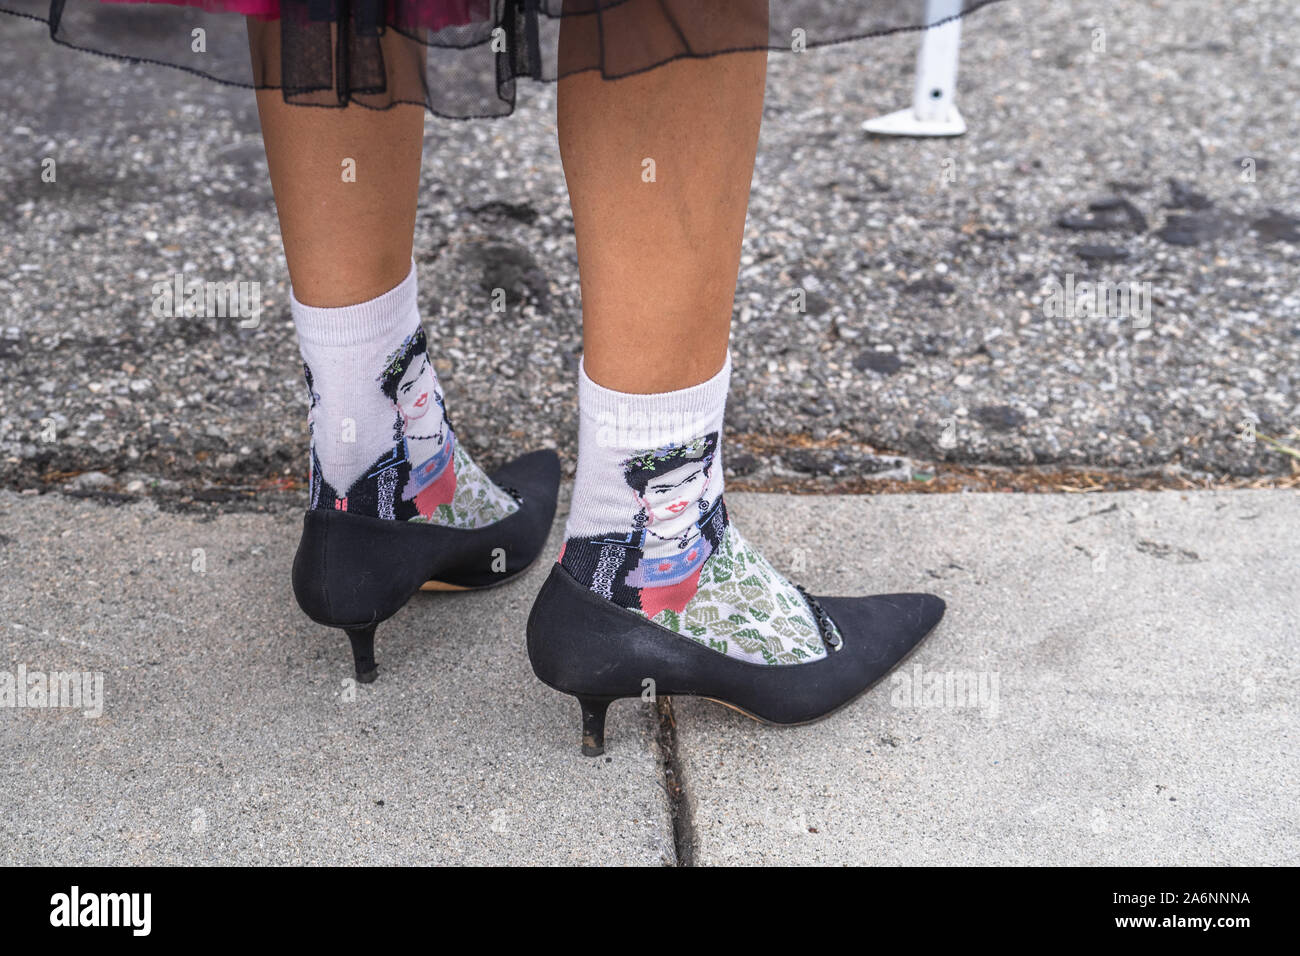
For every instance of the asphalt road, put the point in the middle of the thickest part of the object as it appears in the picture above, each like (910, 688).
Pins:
(929, 340)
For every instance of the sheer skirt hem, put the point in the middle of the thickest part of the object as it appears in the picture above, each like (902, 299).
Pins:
(332, 53)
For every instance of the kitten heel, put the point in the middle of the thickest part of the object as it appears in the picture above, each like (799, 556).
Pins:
(593, 723)
(363, 652)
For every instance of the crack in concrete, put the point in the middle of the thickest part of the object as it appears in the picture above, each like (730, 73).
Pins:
(679, 806)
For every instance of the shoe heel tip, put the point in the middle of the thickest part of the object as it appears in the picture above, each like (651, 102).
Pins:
(593, 724)
(363, 653)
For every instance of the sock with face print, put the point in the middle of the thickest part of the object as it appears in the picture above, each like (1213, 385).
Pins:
(381, 442)
(649, 530)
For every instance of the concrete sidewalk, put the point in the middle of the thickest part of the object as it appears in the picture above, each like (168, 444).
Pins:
(1131, 659)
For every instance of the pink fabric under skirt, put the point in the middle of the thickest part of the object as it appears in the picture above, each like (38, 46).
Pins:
(431, 14)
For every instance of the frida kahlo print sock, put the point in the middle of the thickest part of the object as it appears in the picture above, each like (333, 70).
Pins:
(649, 529)
(381, 442)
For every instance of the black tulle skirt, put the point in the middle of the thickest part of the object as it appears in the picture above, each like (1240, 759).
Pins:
(458, 58)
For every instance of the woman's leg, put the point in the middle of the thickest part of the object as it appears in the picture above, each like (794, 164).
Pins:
(382, 446)
(345, 241)
(658, 259)
(648, 529)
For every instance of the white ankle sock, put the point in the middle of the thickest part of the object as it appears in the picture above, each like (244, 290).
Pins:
(648, 528)
(382, 445)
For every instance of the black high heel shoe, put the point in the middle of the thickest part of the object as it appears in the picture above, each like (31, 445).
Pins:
(584, 645)
(354, 572)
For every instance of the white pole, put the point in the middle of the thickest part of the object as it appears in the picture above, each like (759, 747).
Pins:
(934, 108)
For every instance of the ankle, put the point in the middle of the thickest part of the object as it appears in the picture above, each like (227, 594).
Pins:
(321, 282)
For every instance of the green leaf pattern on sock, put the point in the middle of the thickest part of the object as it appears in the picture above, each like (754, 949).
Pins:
(477, 501)
(745, 608)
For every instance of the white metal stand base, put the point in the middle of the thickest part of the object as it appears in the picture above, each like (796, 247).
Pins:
(908, 123)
